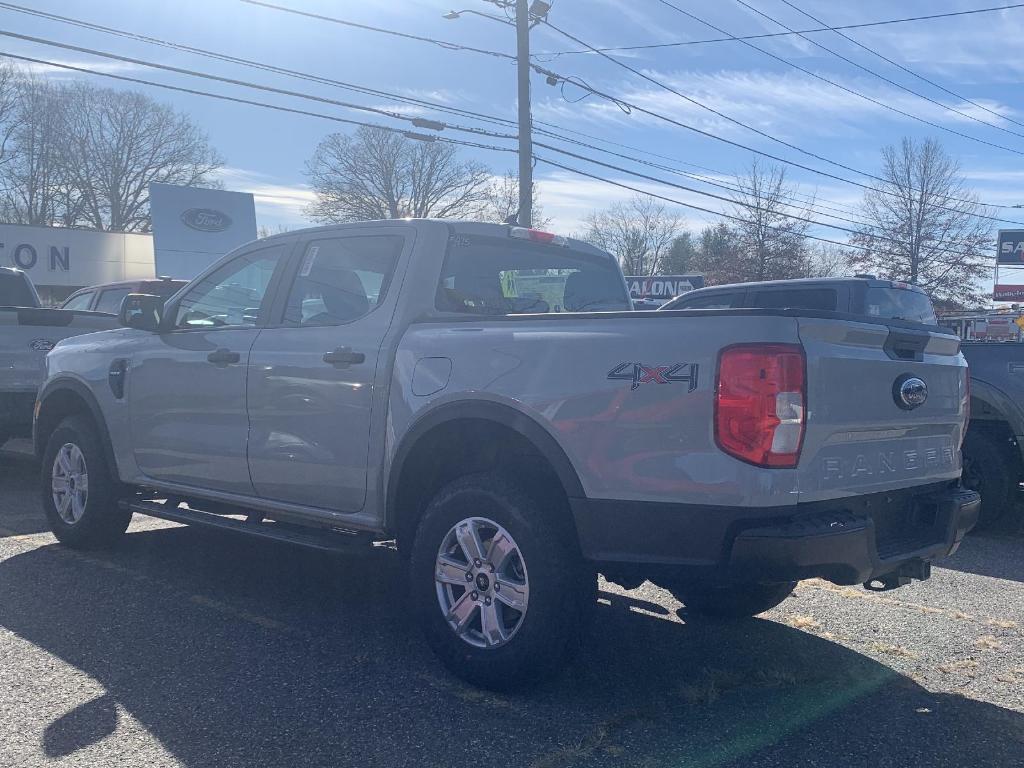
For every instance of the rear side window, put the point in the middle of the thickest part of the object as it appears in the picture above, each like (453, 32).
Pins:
(110, 300)
(81, 301)
(823, 299)
(712, 301)
(502, 276)
(900, 304)
(342, 279)
(14, 291)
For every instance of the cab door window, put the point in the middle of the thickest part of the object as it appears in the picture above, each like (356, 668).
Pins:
(232, 296)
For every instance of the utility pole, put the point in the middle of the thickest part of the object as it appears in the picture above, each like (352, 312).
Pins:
(525, 120)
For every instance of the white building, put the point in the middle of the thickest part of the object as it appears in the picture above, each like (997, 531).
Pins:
(61, 260)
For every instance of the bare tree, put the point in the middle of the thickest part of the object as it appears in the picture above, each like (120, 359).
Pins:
(639, 232)
(379, 174)
(118, 143)
(33, 173)
(923, 226)
(501, 201)
(772, 244)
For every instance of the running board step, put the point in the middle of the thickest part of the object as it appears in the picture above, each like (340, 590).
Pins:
(327, 541)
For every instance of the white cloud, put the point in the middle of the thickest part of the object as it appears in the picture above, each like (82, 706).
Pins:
(57, 72)
(277, 203)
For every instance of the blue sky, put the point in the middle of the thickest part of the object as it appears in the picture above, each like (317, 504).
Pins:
(265, 152)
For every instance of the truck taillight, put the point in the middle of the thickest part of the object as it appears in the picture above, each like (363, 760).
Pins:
(761, 403)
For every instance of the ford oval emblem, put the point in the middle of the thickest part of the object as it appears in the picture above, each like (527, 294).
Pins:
(41, 345)
(206, 219)
(909, 392)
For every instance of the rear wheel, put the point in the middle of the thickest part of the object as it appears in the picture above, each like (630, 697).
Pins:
(78, 488)
(987, 470)
(500, 588)
(730, 601)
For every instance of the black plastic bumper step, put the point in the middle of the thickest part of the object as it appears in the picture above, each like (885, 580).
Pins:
(326, 540)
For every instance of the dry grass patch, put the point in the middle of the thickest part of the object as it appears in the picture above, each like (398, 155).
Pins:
(965, 666)
(892, 649)
(799, 621)
(988, 642)
(1002, 623)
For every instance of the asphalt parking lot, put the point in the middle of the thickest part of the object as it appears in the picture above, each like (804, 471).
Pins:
(186, 647)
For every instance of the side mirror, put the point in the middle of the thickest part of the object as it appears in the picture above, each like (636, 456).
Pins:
(142, 311)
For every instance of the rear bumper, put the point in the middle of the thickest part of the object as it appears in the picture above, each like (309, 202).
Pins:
(846, 541)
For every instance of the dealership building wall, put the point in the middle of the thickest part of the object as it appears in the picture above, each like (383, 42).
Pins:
(61, 260)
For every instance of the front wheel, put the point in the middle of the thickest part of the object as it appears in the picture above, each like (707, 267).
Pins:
(78, 488)
(500, 588)
(731, 601)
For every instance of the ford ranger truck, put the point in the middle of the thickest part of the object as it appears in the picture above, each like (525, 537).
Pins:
(482, 395)
(27, 333)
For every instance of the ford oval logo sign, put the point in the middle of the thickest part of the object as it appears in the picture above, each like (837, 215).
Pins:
(41, 345)
(206, 219)
(909, 392)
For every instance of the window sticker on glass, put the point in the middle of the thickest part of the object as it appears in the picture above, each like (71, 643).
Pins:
(309, 260)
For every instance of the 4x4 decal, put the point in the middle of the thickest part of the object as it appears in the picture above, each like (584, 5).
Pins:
(638, 373)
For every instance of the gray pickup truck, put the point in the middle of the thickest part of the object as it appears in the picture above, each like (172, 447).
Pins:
(994, 446)
(27, 333)
(483, 395)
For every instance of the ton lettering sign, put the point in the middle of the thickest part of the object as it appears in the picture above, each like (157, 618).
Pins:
(25, 256)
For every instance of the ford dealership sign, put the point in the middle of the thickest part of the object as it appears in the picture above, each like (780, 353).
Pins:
(206, 219)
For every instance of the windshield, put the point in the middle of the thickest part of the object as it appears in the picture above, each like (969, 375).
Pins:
(900, 304)
(499, 276)
(15, 291)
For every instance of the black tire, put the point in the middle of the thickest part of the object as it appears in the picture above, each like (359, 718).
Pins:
(730, 601)
(100, 521)
(988, 471)
(562, 589)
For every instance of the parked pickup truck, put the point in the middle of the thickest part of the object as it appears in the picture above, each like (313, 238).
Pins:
(992, 450)
(482, 395)
(994, 446)
(27, 333)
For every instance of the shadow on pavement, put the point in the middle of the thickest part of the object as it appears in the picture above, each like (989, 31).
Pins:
(240, 653)
(1000, 556)
(21, 513)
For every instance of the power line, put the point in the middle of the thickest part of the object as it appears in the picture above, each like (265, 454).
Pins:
(251, 102)
(430, 138)
(334, 20)
(761, 36)
(411, 100)
(750, 206)
(251, 63)
(667, 199)
(419, 122)
(733, 120)
(879, 75)
(834, 84)
(906, 69)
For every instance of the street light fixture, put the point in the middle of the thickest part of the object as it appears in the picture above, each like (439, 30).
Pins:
(525, 14)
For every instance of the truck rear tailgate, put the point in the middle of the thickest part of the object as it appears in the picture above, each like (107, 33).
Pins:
(27, 334)
(871, 425)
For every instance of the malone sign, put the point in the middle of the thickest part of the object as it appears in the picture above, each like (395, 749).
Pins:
(662, 287)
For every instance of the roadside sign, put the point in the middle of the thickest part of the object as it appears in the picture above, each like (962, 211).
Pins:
(1008, 292)
(1010, 247)
(662, 287)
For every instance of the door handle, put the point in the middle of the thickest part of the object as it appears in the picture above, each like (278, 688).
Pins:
(344, 356)
(223, 357)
